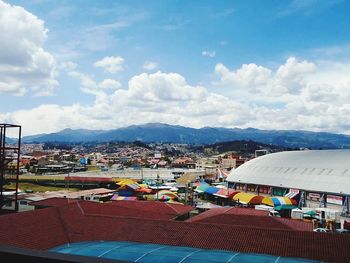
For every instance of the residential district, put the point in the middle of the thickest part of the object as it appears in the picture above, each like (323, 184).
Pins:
(164, 202)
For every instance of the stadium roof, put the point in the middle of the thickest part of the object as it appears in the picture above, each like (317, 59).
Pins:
(325, 171)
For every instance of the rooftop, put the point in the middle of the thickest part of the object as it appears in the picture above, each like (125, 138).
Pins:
(249, 218)
(146, 252)
(51, 227)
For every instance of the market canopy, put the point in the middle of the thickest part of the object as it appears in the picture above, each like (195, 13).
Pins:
(124, 198)
(223, 192)
(278, 201)
(125, 182)
(247, 198)
(143, 190)
(165, 195)
(212, 190)
(285, 207)
(202, 187)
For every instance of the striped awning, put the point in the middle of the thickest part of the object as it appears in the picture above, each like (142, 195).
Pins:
(278, 201)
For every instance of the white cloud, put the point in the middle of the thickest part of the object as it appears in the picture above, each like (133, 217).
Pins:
(110, 64)
(207, 53)
(158, 97)
(68, 66)
(249, 76)
(89, 85)
(149, 65)
(289, 78)
(109, 84)
(321, 102)
(307, 7)
(297, 95)
(24, 64)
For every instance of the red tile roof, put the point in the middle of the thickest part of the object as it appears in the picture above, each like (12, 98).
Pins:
(46, 228)
(53, 202)
(40, 229)
(136, 209)
(249, 218)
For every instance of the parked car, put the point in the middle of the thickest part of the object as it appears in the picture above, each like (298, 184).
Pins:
(321, 230)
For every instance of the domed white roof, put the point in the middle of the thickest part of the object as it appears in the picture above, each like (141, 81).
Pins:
(312, 170)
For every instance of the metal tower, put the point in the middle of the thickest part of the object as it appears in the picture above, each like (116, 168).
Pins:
(9, 163)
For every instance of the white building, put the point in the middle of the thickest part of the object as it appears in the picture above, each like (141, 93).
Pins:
(321, 175)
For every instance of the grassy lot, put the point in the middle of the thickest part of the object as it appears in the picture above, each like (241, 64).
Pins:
(37, 188)
(93, 168)
(42, 177)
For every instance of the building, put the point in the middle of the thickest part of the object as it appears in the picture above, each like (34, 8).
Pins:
(25, 201)
(314, 175)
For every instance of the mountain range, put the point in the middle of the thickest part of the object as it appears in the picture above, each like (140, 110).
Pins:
(159, 132)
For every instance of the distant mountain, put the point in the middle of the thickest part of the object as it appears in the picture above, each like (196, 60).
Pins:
(158, 132)
(241, 147)
(10, 140)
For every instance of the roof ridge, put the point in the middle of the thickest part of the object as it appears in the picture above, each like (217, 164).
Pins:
(118, 216)
(228, 209)
(61, 220)
(173, 208)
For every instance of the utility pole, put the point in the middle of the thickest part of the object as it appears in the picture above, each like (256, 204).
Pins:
(141, 174)
(228, 189)
(157, 183)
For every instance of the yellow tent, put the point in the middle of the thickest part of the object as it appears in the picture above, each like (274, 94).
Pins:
(126, 182)
(244, 198)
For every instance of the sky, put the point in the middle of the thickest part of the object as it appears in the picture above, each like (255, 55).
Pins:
(107, 64)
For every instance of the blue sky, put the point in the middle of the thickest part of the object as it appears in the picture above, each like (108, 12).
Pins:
(109, 64)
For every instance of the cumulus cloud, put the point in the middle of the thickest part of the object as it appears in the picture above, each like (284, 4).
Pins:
(89, 85)
(207, 53)
(110, 64)
(24, 64)
(321, 102)
(298, 94)
(249, 75)
(149, 65)
(67, 66)
(157, 97)
(289, 78)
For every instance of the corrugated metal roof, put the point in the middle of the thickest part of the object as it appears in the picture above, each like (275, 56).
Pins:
(313, 170)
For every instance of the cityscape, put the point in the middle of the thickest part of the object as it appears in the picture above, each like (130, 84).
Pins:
(174, 131)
